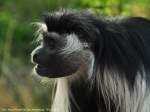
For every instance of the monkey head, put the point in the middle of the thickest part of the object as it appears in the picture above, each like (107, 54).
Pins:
(66, 40)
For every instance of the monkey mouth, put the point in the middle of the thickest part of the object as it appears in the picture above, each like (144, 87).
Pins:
(42, 70)
(50, 72)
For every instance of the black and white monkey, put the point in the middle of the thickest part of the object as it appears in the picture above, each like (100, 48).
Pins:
(100, 64)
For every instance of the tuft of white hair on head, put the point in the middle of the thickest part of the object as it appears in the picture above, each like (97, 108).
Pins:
(40, 28)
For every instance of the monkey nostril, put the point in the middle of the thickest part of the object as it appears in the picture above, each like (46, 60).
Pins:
(35, 57)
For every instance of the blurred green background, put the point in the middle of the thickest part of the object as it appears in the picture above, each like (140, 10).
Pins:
(18, 89)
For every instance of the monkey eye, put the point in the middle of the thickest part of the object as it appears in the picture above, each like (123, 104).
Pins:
(48, 41)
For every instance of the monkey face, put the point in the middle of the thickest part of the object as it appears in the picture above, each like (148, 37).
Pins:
(58, 55)
(66, 46)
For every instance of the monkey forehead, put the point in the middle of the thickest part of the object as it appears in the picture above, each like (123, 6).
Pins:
(68, 21)
(42, 29)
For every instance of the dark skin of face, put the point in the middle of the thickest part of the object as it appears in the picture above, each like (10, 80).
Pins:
(50, 62)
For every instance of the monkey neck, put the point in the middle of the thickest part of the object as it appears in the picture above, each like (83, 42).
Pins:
(82, 99)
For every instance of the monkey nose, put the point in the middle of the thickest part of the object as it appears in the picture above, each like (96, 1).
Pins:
(35, 58)
(36, 55)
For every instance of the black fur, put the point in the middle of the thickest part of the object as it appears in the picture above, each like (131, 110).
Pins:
(119, 43)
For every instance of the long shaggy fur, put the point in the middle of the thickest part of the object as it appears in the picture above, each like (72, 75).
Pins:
(118, 73)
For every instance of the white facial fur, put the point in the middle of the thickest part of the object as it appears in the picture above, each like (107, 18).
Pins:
(73, 44)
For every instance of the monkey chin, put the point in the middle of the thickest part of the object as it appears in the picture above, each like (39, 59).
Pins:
(47, 72)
